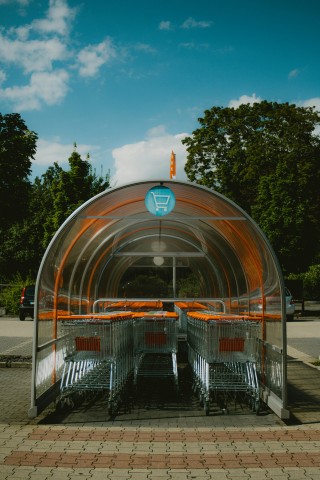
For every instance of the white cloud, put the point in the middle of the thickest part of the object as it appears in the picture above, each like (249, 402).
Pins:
(92, 57)
(3, 76)
(150, 158)
(32, 55)
(36, 48)
(192, 23)
(165, 25)
(49, 152)
(244, 99)
(294, 73)
(143, 47)
(312, 102)
(8, 2)
(224, 50)
(187, 45)
(194, 46)
(41, 50)
(58, 20)
(44, 88)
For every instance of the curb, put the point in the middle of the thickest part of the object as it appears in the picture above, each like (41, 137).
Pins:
(12, 364)
(15, 361)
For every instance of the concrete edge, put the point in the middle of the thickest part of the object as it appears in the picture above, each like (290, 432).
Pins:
(12, 364)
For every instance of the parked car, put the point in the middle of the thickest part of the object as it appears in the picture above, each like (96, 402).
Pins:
(26, 308)
(272, 304)
(290, 306)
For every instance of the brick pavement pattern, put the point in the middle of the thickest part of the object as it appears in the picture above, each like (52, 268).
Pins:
(41, 451)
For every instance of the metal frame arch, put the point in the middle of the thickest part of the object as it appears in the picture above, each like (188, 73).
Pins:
(197, 208)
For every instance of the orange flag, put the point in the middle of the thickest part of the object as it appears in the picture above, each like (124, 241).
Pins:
(173, 165)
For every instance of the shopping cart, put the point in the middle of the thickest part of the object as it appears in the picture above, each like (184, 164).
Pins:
(161, 201)
(155, 345)
(98, 355)
(182, 309)
(222, 353)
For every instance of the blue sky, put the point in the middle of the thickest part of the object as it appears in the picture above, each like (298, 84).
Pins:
(127, 80)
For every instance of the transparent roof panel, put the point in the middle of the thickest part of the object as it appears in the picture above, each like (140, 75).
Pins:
(115, 232)
(136, 241)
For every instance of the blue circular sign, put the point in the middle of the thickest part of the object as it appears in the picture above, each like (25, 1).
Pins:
(160, 200)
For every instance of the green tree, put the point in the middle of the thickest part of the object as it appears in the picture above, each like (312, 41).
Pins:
(65, 191)
(310, 280)
(10, 295)
(145, 286)
(52, 198)
(266, 158)
(17, 149)
(189, 286)
(23, 243)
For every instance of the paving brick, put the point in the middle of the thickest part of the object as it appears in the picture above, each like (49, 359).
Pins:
(248, 447)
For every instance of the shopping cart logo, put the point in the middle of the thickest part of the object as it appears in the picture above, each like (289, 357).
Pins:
(160, 200)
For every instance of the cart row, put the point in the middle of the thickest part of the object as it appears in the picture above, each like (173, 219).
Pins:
(104, 351)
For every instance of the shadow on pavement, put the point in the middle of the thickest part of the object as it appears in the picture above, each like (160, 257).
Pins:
(303, 393)
(157, 400)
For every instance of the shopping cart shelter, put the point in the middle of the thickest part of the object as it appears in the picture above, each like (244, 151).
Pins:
(141, 270)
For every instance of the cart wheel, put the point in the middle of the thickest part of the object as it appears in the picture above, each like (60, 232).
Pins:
(69, 402)
(111, 409)
(59, 405)
(63, 404)
(176, 387)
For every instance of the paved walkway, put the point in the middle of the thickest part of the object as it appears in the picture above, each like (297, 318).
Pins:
(161, 443)
(57, 452)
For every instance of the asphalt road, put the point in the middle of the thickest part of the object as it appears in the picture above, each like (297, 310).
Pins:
(303, 334)
(16, 337)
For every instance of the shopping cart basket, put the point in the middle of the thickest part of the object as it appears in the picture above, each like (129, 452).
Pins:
(182, 309)
(98, 354)
(155, 344)
(222, 354)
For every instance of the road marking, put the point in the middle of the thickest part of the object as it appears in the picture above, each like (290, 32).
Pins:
(16, 347)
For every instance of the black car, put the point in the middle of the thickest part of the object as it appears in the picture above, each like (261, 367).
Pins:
(26, 308)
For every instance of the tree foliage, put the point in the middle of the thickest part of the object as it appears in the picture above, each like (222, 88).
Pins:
(47, 202)
(17, 149)
(266, 158)
(189, 287)
(10, 295)
(145, 286)
(310, 281)
(66, 190)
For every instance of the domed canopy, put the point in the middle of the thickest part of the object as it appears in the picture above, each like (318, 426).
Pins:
(143, 240)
